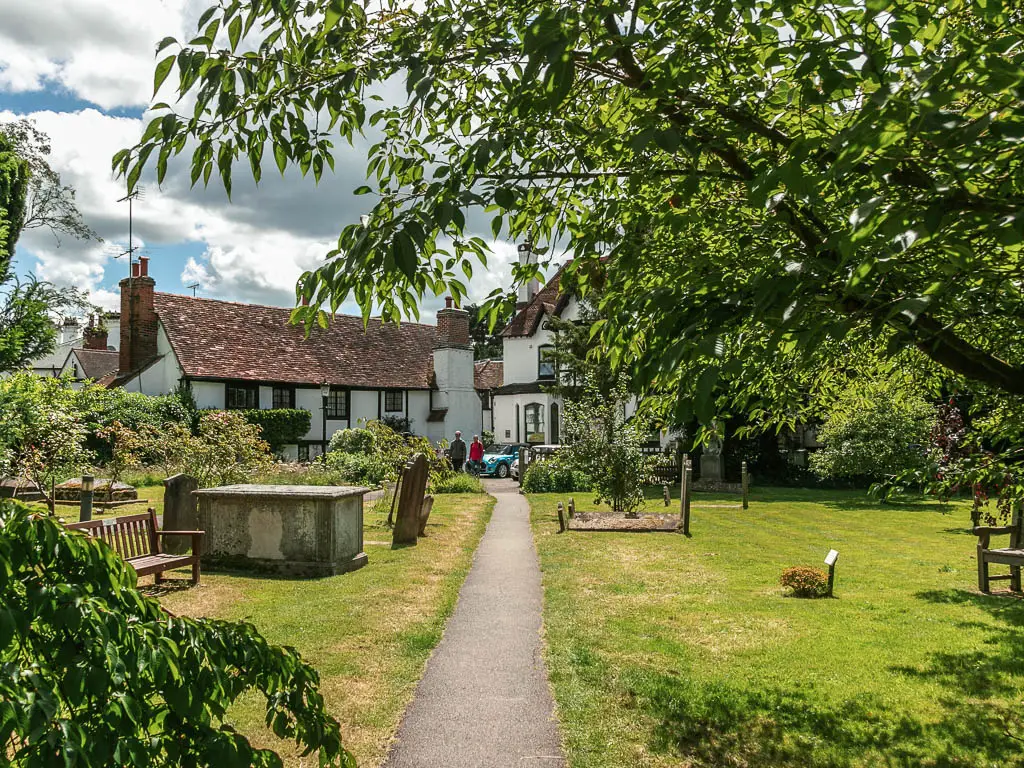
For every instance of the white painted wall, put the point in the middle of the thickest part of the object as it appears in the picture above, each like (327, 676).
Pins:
(208, 394)
(521, 353)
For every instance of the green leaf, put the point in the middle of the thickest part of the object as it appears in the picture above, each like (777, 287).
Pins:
(163, 69)
(235, 32)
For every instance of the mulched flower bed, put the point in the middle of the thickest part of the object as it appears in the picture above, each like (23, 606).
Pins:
(609, 521)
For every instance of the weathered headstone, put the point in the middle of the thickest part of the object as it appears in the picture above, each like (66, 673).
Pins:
(711, 459)
(561, 518)
(428, 504)
(181, 512)
(665, 494)
(572, 507)
(410, 501)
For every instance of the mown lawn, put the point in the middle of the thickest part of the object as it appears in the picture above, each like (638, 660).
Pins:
(369, 632)
(672, 651)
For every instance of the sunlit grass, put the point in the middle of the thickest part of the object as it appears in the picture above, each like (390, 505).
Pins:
(368, 632)
(666, 650)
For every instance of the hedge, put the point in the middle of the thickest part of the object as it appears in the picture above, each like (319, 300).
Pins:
(281, 426)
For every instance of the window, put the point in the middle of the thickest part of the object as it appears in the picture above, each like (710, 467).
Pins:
(240, 396)
(545, 362)
(337, 404)
(304, 452)
(394, 401)
(534, 423)
(284, 397)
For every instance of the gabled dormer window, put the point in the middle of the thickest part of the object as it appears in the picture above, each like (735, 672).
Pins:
(546, 361)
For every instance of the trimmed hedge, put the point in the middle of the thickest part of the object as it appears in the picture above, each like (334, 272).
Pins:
(281, 426)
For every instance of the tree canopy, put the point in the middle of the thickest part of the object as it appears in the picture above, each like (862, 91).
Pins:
(31, 195)
(758, 185)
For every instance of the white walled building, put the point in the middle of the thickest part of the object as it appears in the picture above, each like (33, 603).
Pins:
(240, 356)
(72, 336)
(523, 412)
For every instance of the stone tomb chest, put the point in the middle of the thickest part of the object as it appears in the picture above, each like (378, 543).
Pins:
(297, 530)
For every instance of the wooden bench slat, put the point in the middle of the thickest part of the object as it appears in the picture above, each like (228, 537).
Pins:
(135, 538)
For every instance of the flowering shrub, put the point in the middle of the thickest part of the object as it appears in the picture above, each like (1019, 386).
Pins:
(228, 449)
(805, 581)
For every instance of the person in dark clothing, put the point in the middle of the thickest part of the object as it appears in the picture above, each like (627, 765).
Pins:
(457, 452)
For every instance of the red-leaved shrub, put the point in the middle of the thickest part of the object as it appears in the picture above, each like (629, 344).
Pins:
(805, 581)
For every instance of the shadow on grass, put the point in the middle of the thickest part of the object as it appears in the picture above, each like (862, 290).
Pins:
(979, 723)
(718, 724)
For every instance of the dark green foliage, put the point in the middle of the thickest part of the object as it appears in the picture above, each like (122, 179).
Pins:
(99, 408)
(26, 325)
(763, 179)
(553, 476)
(400, 424)
(486, 341)
(14, 175)
(281, 426)
(97, 673)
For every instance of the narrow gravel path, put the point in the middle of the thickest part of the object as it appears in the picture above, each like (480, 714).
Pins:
(484, 700)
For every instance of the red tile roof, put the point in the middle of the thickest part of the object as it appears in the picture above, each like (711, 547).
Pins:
(488, 374)
(227, 340)
(96, 363)
(548, 299)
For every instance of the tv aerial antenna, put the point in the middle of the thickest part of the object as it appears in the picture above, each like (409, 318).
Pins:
(139, 193)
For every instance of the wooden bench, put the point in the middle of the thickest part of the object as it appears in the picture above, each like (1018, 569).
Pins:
(136, 538)
(1012, 555)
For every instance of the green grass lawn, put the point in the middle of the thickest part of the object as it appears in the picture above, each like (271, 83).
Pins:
(369, 632)
(666, 650)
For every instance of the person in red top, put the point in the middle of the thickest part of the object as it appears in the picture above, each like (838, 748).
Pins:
(476, 454)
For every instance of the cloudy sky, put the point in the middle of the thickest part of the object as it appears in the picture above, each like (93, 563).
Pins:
(82, 70)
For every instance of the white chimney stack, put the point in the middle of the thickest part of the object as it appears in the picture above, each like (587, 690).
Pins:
(530, 289)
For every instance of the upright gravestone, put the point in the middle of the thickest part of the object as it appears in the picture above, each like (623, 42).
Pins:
(711, 459)
(410, 501)
(181, 512)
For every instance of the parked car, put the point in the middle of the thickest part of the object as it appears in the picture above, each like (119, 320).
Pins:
(515, 469)
(498, 459)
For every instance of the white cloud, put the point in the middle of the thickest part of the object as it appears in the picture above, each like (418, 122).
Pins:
(99, 50)
(250, 249)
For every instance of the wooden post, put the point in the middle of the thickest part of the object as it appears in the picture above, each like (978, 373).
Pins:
(522, 464)
(682, 484)
(561, 518)
(746, 486)
(686, 502)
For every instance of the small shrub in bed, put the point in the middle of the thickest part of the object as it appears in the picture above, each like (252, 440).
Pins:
(456, 482)
(805, 581)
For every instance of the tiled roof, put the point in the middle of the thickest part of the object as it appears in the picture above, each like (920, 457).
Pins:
(488, 374)
(547, 300)
(96, 363)
(226, 340)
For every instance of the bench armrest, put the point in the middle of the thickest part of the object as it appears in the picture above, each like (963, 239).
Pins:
(986, 532)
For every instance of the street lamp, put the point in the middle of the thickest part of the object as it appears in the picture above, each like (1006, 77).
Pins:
(325, 392)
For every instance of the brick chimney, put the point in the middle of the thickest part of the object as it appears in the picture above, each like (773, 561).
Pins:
(94, 336)
(138, 318)
(452, 326)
